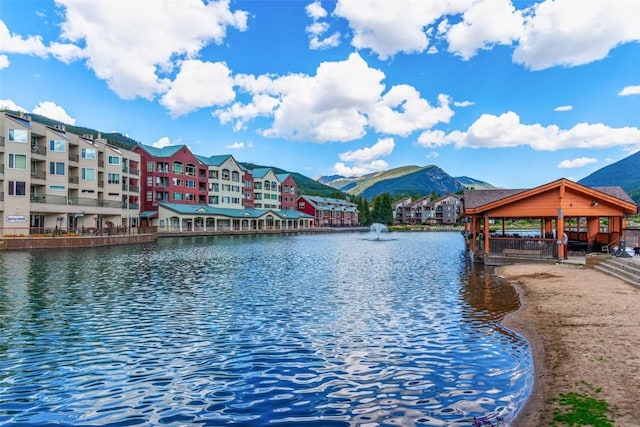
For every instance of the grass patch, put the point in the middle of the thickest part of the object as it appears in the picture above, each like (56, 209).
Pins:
(582, 409)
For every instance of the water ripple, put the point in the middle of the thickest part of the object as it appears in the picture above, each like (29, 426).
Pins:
(281, 331)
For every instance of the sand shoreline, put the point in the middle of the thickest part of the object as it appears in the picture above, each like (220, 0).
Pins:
(584, 333)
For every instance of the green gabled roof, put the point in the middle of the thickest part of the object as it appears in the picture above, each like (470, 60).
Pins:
(260, 172)
(329, 200)
(282, 176)
(167, 151)
(185, 209)
(214, 160)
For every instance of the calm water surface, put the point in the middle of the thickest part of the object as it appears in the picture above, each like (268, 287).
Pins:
(305, 330)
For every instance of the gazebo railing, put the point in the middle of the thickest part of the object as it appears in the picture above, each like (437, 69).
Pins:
(523, 247)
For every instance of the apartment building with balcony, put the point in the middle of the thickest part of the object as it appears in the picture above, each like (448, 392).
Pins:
(444, 210)
(51, 179)
(329, 212)
(170, 174)
(226, 182)
(288, 192)
(266, 189)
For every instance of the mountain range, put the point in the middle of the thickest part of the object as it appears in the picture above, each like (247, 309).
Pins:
(407, 180)
(624, 173)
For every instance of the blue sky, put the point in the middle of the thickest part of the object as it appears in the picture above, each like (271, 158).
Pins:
(515, 93)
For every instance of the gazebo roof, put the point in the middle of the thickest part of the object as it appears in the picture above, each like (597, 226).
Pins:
(476, 201)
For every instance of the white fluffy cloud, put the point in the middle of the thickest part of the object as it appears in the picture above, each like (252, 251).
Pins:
(238, 146)
(383, 147)
(338, 104)
(484, 24)
(366, 160)
(360, 169)
(630, 90)
(9, 104)
(576, 163)
(135, 48)
(4, 61)
(199, 84)
(318, 29)
(546, 34)
(55, 112)
(506, 130)
(563, 108)
(162, 142)
(390, 27)
(575, 32)
(12, 43)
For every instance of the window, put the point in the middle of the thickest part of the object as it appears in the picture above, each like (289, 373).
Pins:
(88, 174)
(149, 196)
(178, 167)
(225, 174)
(177, 196)
(235, 176)
(57, 146)
(114, 160)
(17, 161)
(56, 168)
(113, 178)
(149, 166)
(191, 183)
(213, 174)
(267, 185)
(17, 135)
(57, 188)
(191, 170)
(213, 200)
(89, 153)
(17, 188)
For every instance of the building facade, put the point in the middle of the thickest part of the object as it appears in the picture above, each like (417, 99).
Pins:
(53, 180)
(445, 210)
(329, 212)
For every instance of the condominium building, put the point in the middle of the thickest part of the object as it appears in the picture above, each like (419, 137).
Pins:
(188, 192)
(52, 180)
(444, 210)
(329, 212)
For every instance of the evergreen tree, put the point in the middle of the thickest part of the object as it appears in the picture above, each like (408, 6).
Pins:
(364, 213)
(382, 210)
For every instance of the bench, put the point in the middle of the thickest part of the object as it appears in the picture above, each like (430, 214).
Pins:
(526, 252)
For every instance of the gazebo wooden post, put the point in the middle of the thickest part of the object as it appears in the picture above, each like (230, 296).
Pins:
(486, 235)
(560, 234)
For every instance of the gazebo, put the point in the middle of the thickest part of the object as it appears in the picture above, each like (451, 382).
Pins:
(571, 216)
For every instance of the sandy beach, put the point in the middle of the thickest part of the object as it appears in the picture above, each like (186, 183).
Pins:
(584, 328)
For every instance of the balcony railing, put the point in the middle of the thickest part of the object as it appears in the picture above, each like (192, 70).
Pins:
(38, 149)
(74, 157)
(48, 199)
(39, 174)
(523, 247)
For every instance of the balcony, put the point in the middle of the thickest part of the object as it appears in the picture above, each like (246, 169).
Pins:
(38, 149)
(48, 199)
(39, 174)
(74, 157)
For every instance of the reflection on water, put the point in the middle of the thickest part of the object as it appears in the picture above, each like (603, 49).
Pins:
(272, 330)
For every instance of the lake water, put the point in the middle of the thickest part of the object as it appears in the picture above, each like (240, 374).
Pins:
(301, 330)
